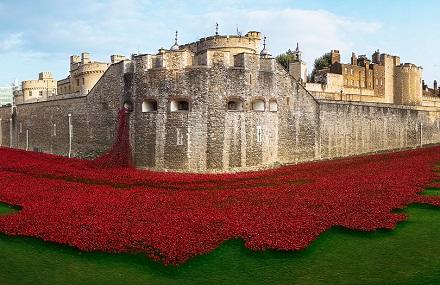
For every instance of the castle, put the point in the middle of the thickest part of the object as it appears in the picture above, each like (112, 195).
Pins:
(220, 104)
(383, 79)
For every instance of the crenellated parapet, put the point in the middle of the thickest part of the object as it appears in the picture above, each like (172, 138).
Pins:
(249, 43)
(40, 89)
(181, 59)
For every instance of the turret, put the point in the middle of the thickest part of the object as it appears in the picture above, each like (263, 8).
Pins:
(298, 68)
(265, 52)
(85, 57)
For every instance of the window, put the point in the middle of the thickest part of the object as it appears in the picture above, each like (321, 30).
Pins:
(235, 105)
(77, 82)
(381, 82)
(21, 128)
(41, 93)
(179, 136)
(179, 105)
(346, 81)
(258, 105)
(83, 81)
(273, 106)
(149, 106)
(54, 130)
(352, 82)
(30, 93)
(377, 82)
(351, 71)
(345, 71)
(369, 84)
(259, 134)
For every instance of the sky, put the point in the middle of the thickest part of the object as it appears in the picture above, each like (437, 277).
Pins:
(41, 35)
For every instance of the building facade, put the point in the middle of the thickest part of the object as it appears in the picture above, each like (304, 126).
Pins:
(42, 89)
(6, 96)
(381, 79)
(83, 75)
(220, 104)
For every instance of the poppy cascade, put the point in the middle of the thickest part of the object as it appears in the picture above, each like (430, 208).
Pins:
(173, 216)
(119, 154)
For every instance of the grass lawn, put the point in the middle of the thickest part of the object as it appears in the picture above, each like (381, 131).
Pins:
(408, 255)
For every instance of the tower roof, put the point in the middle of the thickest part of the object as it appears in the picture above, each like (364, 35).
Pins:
(265, 51)
(176, 45)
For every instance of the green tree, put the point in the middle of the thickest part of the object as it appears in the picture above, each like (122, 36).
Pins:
(322, 62)
(285, 58)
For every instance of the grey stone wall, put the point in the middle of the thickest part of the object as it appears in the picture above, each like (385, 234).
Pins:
(354, 128)
(209, 137)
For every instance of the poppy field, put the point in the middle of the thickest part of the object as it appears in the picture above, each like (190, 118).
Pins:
(173, 217)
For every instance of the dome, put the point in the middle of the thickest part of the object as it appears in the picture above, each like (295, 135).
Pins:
(265, 52)
(175, 46)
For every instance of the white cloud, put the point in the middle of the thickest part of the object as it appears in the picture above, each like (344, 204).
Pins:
(11, 42)
(317, 31)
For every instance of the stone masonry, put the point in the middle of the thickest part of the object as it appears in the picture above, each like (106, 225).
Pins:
(214, 106)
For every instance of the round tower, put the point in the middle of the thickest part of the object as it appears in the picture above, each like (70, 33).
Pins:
(408, 84)
(249, 43)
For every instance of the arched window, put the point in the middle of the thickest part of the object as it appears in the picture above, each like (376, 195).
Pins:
(273, 106)
(179, 105)
(149, 106)
(235, 105)
(258, 105)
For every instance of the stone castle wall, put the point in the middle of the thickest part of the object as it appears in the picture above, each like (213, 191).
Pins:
(209, 137)
(353, 128)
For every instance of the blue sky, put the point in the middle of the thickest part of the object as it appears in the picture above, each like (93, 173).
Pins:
(41, 35)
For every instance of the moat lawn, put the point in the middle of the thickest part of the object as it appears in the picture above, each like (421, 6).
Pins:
(408, 255)
(363, 220)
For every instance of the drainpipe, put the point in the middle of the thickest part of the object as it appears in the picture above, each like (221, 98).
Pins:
(27, 140)
(10, 132)
(70, 134)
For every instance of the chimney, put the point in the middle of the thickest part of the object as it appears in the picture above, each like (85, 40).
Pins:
(336, 57)
(354, 60)
(435, 87)
(376, 57)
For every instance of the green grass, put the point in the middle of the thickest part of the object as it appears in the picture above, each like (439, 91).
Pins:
(408, 255)
(6, 209)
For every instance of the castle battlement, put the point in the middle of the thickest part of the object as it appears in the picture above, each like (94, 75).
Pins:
(181, 59)
(409, 67)
(234, 44)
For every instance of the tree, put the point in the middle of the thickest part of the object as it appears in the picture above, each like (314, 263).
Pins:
(285, 58)
(322, 62)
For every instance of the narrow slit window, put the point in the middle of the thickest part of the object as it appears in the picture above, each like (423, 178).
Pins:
(259, 134)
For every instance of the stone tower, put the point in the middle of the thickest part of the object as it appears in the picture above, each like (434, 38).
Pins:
(298, 68)
(408, 84)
